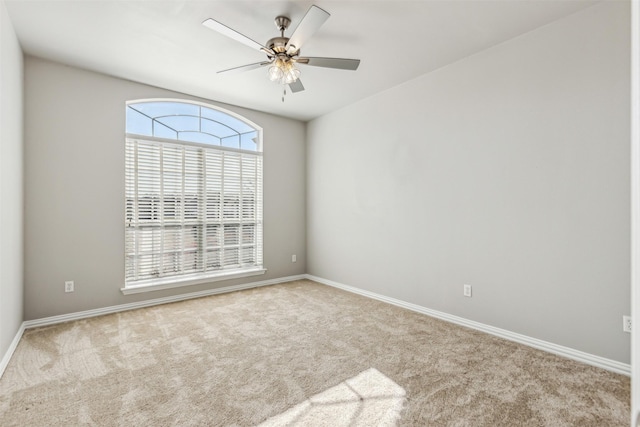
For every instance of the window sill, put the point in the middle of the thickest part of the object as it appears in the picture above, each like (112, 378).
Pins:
(170, 283)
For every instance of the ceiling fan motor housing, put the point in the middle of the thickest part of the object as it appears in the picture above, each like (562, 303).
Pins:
(279, 46)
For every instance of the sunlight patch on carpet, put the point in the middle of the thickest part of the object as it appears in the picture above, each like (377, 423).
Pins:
(370, 398)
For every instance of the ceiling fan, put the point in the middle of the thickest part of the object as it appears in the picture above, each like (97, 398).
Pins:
(283, 53)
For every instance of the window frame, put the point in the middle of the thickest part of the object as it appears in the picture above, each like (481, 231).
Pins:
(189, 279)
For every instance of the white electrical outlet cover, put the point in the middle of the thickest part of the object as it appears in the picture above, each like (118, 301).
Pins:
(626, 323)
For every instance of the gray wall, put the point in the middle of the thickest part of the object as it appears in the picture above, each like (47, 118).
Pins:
(508, 170)
(11, 202)
(74, 190)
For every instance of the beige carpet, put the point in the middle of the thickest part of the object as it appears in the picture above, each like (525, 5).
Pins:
(295, 354)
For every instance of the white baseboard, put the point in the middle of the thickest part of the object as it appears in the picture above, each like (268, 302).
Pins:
(580, 356)
(11, 349)
(156, 301)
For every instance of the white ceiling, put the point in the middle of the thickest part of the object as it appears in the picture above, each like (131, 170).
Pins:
(163, 43)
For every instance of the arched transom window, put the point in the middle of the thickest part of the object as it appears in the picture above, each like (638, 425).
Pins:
(193, 195)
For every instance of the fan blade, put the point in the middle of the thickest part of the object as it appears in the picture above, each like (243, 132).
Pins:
(296, 86)
(233, 34)
(243, 68)
(339, 63)
(311, 22)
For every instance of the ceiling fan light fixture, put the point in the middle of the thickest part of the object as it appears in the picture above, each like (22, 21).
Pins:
(283, 71)
(292, 76)
(292, 73)
(275, 71)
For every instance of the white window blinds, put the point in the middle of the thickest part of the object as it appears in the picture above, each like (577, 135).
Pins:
(192, 210)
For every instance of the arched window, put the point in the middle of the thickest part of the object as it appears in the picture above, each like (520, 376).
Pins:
(193, 195)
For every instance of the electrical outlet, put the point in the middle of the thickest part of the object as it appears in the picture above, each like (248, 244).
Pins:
(293, 258)
(69, 286)
(626, 323)
(467, 290)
